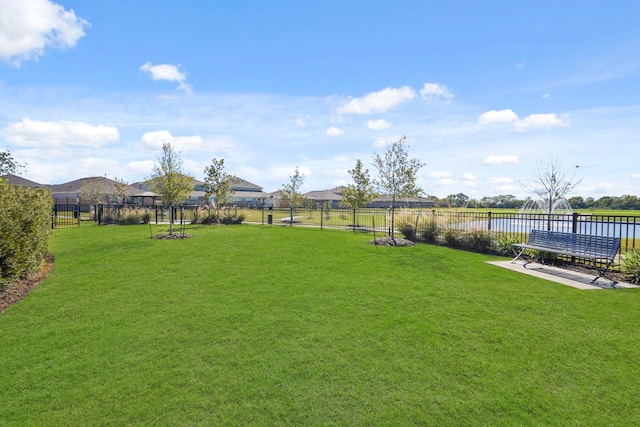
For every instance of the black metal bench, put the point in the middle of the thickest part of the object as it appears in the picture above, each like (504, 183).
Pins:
(595, 248)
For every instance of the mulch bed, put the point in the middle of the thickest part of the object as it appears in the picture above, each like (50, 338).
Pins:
(388, 241)
(171, 236)
(20, 289)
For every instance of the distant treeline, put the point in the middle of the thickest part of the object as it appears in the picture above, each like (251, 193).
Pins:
(508, 201)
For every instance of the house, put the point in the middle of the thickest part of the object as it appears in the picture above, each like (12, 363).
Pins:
(384, 202)
(18, 180)
(245, 194)
(248, 194)
(324, 198)
(334, 196)
(91, 190)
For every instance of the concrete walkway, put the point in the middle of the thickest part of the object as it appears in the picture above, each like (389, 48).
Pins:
(559, 275)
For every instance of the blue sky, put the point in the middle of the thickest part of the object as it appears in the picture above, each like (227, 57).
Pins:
(482, 90)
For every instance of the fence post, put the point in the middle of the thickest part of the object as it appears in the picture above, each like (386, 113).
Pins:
(354, 220)
(574, 224)
(321, 216)
(291, 217)
(489, 221)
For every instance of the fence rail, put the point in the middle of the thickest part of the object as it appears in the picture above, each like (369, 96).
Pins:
(497, 224)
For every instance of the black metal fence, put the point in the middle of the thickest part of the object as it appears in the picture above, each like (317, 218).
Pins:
(435, 226)
(518, 226)
(65, 215)
(120, 214)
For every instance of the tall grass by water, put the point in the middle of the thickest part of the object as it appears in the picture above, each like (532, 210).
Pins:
(257, 325)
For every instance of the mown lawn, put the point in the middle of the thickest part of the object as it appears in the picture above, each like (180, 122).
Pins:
(252, 325)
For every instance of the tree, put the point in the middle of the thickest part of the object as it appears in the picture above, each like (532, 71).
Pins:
(577, 202)
(362, 190)
(551, 184)
(397, 174)
(218, 183)
(93, 191)
(8, 165)
(120, 190)
(169, 181)
(459, 200)
(290, 191)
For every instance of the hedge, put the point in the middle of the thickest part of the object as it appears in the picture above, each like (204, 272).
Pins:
(25, 227)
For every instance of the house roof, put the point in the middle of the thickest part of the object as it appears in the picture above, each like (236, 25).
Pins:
(108, 186)
(323, 195)
(250, 194)
(18, 180)
(244, 185)
(388, 197)
(240, 185)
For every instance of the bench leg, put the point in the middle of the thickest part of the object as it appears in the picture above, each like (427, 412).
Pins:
(518, 255)
(601, 271)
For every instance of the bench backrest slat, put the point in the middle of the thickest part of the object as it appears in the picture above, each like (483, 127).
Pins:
(576, 243)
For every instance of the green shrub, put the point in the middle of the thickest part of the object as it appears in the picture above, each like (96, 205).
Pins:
(25, 227)
(211, 217)
(430, 232)
(477, 240)
(541, 256)
(408, 231)
(131, 218)
(503, 245)
(406, 224)
(233, 218)
(631, 265)
(453, 237)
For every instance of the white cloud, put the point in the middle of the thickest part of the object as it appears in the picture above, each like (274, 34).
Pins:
(140, 167)
(468, 177)
(539, 121)
(497, 117)
(36, 133)
(384, 141)
(29, 26)
(378, 102)
(379, 124)
(340, 173)
(447, 182)
(340, 159)
(152, 141)
(501, 160)
(531, 122)
(635, 176)
(507, 188)
(440, 174)
(435, 90)
(286, 173)
(334, 131)
(546, 96)
(300, 122)
(94, 166)
(168, 72)
(500, 180)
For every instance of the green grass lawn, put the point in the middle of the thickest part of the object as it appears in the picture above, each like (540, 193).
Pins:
(252, 325)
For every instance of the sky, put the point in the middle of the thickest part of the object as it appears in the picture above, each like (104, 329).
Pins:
(485, 92)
